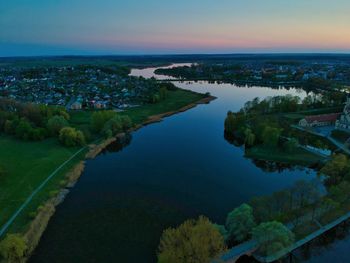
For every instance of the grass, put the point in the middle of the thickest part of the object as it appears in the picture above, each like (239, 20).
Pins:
(28, 164)
(175, 100)
(298, 156)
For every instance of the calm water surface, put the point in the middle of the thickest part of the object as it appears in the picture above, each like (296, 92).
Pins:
(165, 173)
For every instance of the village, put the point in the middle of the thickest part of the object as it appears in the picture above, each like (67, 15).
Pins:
(76, 88)
(310, 74)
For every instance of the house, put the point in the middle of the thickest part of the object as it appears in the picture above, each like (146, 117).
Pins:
(76, 106)
(344, 122)
(100, 105)
(319, 120)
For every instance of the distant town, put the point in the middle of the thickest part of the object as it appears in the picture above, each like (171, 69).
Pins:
(76, 88)
(110, 87)
(312, 74)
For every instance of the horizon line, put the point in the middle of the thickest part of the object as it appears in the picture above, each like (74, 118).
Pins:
(180, 54)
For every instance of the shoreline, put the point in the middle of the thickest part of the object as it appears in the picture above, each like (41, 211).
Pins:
(45, 212)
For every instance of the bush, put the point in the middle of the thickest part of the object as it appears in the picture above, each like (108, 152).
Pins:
(240, 222)
(13, 248)
(99, 119)
(163, 93)
(23, 129)
(155, 98)
(55, 124)
(71, 137)
(272, 237)
(290, 145)
(116, 125)
(195, 241)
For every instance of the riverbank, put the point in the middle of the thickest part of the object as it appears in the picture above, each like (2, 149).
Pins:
(298, 156)
(32, 221)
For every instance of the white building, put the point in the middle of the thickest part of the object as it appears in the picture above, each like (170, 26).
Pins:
(344, 122)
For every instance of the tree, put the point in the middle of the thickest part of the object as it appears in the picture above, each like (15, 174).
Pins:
(272, 237)
(64, 114)
(290, 145)
(80, 138)
(336, 169)
(262, 209)
(13, 248)
(271, 136)
(234, 122)
(71, 137)
(240, 222)
(163, 93)
(194, 241)
(56, 123)
(230, 122)
(341, 192)
(222, 230)
(305, 192)
(23, 129)
(327, 205)
(249, 137)
(116, 125)
(99, 119)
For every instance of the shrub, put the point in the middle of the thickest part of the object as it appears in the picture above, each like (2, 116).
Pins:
(240, 222)
(23, 129)
(71, 137)
(195, 241)
(99, 119)
(55, 124)
(272, 237)
(13, 248)
(116, 125)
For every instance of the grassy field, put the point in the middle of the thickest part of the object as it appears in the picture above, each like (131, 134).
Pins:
(28, 164)
(175, 100)
(298, 156)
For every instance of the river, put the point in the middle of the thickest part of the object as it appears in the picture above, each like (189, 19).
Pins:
(164, 174)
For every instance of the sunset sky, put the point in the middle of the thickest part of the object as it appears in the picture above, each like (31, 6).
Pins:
(58, 27)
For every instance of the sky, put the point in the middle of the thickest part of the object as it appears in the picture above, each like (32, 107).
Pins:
(123, 27)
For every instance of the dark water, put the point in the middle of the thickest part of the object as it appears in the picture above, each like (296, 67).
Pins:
(167, 172)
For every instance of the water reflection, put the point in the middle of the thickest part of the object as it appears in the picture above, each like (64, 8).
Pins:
(266, 166)
(118, 145)
(333, 246)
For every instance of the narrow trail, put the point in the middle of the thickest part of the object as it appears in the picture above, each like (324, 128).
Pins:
(6, 226)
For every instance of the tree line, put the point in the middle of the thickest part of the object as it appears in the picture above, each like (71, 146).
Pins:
(28, 121)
